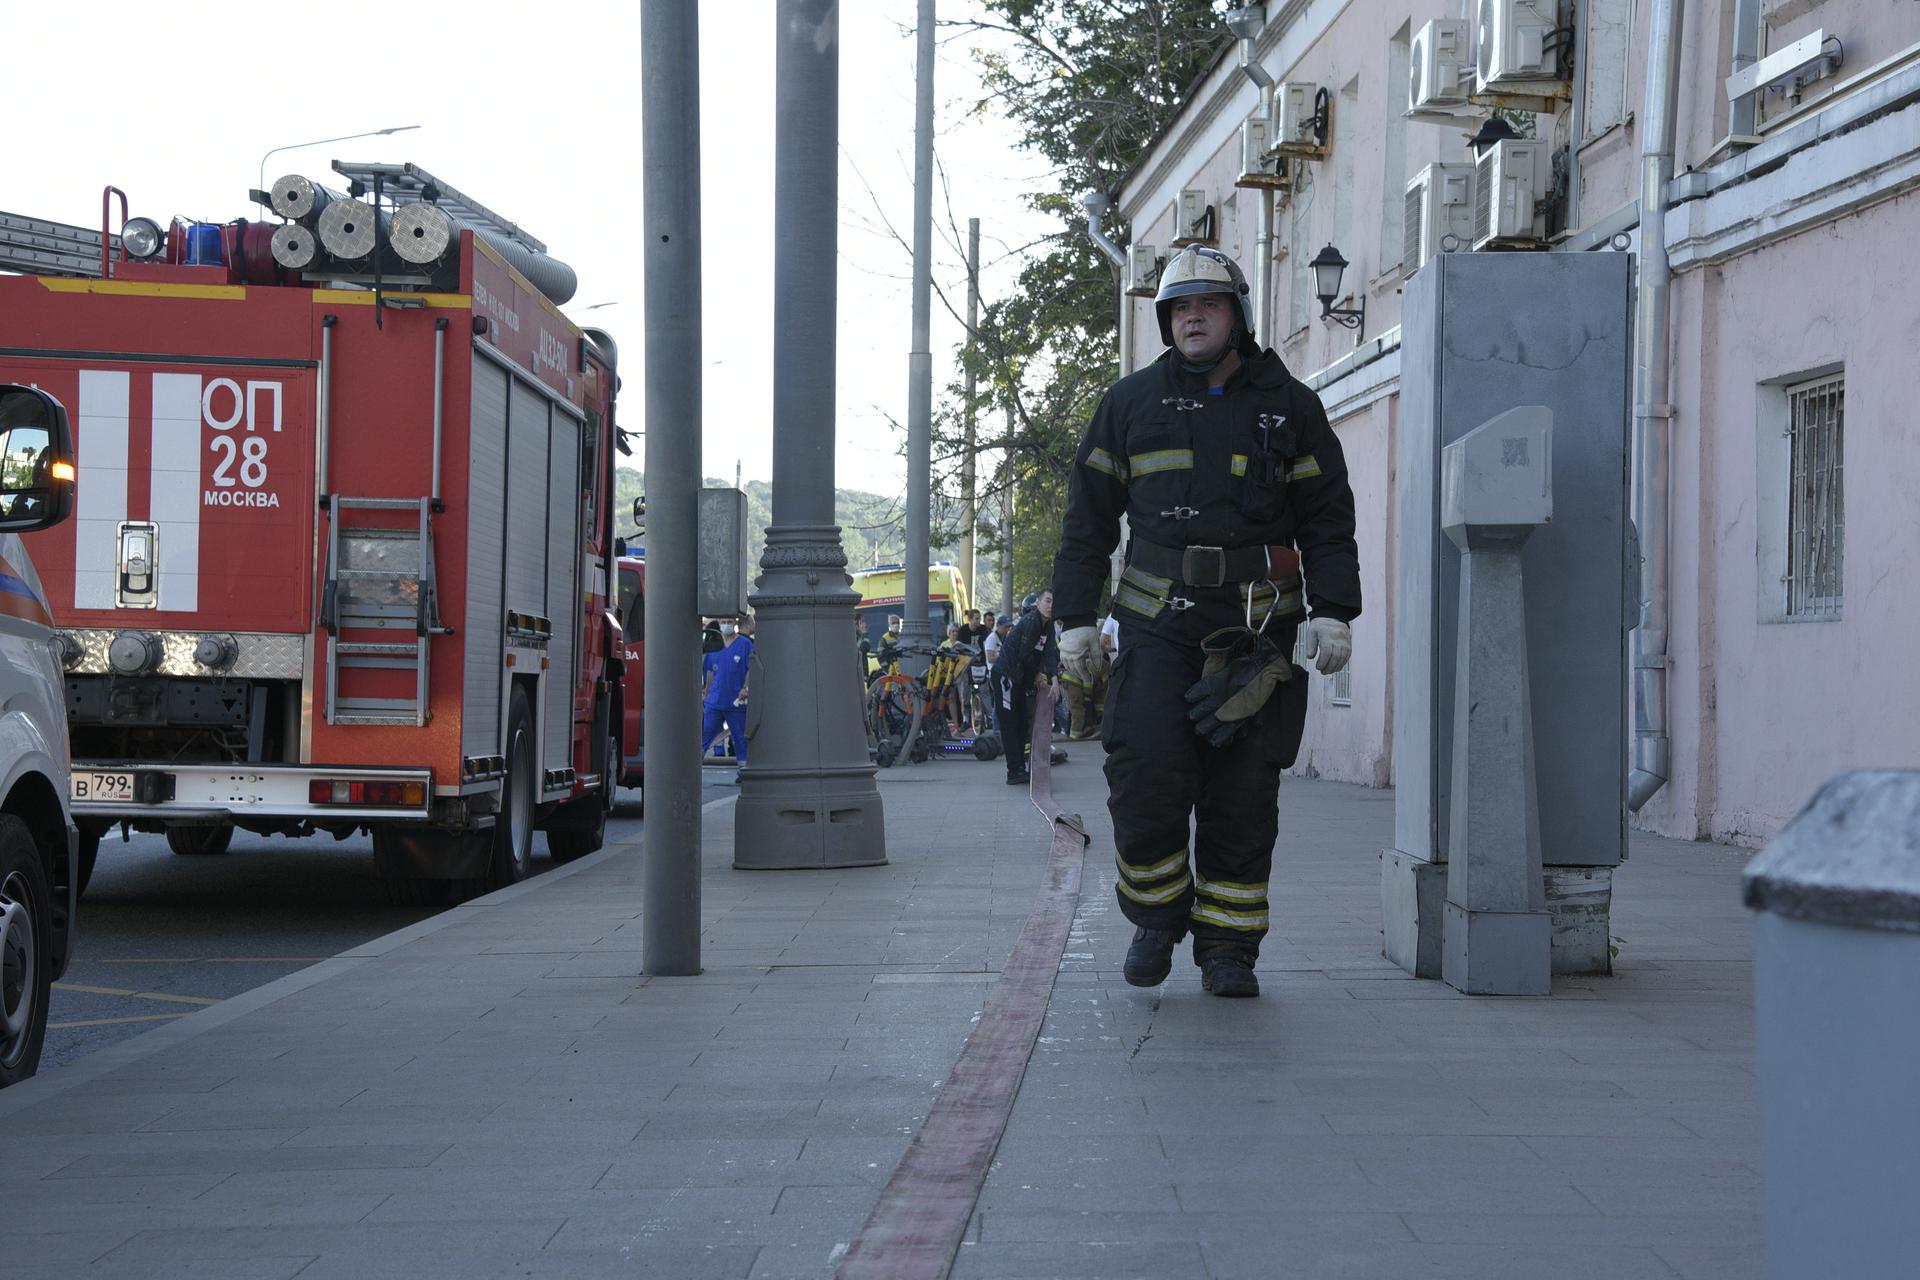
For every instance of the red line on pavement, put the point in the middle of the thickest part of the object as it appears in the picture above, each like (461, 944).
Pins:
(915, 1228)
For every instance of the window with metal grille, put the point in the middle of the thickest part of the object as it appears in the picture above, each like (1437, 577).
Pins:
(1816, 497)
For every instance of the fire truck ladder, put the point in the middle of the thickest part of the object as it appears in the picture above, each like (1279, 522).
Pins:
(379, 579)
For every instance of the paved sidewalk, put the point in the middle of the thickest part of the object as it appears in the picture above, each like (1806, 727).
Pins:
(499, 1091)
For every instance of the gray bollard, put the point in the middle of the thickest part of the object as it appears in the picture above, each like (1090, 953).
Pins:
(1837, 1014)
(1496, 487)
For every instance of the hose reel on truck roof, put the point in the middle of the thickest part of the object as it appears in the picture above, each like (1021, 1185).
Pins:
(417, 225)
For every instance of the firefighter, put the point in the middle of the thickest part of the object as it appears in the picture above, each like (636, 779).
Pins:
(1230, 478)
(1086, 693)
(1028, 667)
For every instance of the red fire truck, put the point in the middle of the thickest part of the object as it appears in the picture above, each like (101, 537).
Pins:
(343, 546)
(632, 611)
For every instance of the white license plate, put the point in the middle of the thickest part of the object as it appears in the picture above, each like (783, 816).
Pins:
(88, 785)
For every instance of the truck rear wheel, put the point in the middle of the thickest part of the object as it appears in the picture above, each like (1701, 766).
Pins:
(610, 772)
(26, 957)
(585, 832)
(513, 827)
(86, 856)
(199, 841)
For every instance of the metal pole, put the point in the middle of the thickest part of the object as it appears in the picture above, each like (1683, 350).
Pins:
(1653, 413)
(1007, 600)
(968, 498)
(670, 150)
(920, 362)
(807, 797)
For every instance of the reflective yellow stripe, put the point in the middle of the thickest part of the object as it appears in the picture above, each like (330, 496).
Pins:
(1303, 469)
(1101, 460)
(1228, 891)
(1151, 583)
(1249, 921)
(147, 289)
(1140, 875)
(1143, 593)
(364, 298)
(1239, 464)
(1288, 584)
(1264, 597)
(1146, 464)
(1156, 897)
(1147, 607)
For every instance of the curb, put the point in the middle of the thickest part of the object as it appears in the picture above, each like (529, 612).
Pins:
(30, 1093)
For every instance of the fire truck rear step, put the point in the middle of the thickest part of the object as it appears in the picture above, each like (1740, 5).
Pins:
(379, 578)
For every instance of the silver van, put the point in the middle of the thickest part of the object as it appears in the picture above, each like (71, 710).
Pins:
(38, 843)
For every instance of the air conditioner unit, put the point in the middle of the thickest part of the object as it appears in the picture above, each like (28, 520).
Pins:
(1257, 167)
(1441, 67)
(1439, 215)
(1193, 219)
(1509, 180)
(1511, 39)
(1298, 128)
(1143, 270)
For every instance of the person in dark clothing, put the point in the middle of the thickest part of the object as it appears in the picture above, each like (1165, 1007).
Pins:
(1231, 480)
(1028, 666)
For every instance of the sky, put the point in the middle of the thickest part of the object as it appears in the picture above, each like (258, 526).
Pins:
(537, 116)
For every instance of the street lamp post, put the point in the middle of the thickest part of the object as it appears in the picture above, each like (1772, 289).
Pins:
(320, 142)
(808, 798)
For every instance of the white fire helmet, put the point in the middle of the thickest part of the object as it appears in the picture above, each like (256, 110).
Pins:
(1198, 269)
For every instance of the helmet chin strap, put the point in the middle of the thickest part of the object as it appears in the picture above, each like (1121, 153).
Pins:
(1235, 341)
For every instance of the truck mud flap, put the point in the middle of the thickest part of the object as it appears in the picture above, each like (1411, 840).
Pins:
(432, 853)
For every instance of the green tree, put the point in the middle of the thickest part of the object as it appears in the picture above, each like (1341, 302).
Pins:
(1091, 84)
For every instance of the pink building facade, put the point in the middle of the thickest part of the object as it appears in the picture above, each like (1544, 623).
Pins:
(1794, 513)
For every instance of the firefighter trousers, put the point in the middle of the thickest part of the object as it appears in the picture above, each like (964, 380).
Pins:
(1164, 783)
(1016, 725)
(1085, 703)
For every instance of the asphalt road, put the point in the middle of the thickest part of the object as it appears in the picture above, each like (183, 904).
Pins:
(163, 935)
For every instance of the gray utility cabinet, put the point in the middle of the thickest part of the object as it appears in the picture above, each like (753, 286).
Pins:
(1483, 333)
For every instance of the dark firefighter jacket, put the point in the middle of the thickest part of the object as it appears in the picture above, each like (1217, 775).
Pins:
(1256, 464)
(1029, 650)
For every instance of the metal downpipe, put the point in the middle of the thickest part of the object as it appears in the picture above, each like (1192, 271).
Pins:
(1653, 413)
(1262, 283)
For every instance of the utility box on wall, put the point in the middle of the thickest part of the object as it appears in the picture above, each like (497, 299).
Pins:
(720, 574)
(1481, 334)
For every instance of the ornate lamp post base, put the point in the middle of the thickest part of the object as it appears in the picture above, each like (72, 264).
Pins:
(808, 796)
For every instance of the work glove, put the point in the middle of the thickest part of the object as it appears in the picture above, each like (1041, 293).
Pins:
(1239, 676)
(1079, 646)
(1329, 644)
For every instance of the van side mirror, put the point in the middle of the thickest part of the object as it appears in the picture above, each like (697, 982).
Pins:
(640, 512)
(36, 460)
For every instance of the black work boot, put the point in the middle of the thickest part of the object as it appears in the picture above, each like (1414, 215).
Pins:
(1150, 958)
(1227, 973)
